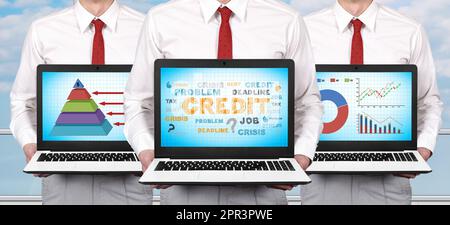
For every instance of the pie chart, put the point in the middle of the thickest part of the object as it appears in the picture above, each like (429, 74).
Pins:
(342, 110)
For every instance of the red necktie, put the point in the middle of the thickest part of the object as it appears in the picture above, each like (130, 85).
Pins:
(357, 43)
(98, 47)
(225, 49)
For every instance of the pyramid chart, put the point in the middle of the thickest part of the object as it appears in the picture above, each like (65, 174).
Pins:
(81, 116)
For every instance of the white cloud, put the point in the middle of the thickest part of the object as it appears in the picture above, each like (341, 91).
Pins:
(443, 66)
(3, 3)
(139, 5)
(308, 6)
(445, 91)
(3, 54)
(9, 68)
(29, 3)
(5, 86)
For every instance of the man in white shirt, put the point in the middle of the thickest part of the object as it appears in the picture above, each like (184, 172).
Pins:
(67, 37)
(211, 29)
(364, 32)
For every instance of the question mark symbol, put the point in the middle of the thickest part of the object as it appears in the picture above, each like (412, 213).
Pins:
(171, 127)
(234, 121)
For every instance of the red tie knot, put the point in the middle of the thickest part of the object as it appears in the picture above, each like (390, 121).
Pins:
(98, 24)
(225, 13)
(357, 24)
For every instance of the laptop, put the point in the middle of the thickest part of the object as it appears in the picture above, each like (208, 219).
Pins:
(224, 122)
(370, 120)
(80, 121)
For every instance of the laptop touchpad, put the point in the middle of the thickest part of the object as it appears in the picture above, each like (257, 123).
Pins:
(220, 176)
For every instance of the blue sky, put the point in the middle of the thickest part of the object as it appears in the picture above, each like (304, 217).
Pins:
(15, 17)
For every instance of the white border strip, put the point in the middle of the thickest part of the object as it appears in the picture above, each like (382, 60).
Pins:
(293, 200)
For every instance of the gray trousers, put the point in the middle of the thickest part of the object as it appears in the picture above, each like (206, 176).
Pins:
(60, 189)
(222, 195)
(335, 189)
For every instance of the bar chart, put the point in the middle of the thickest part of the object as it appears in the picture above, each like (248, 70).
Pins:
(369, 125)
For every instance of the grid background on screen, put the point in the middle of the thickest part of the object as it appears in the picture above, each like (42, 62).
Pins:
(185, 134)
(56, 87)
(374, 99)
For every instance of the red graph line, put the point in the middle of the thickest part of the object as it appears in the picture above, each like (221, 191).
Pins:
(383, 92)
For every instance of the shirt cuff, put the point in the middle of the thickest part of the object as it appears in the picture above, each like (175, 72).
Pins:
(142, 141)
(26, 136)
(426, 141)
(305, 147)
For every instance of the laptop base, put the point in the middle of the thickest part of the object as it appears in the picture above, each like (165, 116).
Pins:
(369, 167)
(224, 177)
(82, 167)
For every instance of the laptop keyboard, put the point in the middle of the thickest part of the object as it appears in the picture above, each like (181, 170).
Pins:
(382, 157)
(67, 157)
(284, 165)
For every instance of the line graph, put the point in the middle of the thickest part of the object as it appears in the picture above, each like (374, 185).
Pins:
(383, 92)
(381, 96)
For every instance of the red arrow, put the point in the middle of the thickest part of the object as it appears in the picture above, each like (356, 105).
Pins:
(111, 103)
(119, 123)
(115, 113)
(107, 93)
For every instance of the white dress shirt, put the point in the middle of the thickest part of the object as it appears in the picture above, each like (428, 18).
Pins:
(66, 37)
(261, 29)
(388, 38)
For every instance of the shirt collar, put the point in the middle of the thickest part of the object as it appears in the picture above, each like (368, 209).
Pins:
(85, 18)
(209, 8)
(368, 17)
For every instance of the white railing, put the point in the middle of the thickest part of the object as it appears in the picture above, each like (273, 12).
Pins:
(5, 132)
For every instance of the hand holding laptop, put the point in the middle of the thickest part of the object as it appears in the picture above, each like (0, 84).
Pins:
(426, 154)
(29, 150)
(146, 157)
(304, 163)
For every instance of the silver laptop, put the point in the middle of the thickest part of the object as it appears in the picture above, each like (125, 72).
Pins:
(224, 122)
(370, 120)
(80, 120)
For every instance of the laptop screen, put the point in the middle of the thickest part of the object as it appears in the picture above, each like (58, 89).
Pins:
(366, 106)
(224, 107)
(83, 106)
